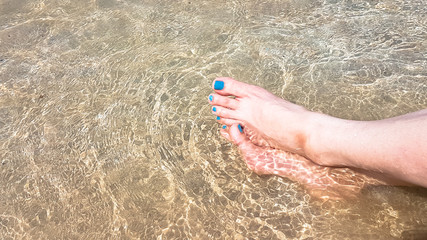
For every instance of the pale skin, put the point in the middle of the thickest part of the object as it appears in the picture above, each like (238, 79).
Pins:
(393, 148)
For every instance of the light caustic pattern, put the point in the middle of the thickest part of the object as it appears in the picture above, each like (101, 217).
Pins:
(105, 132)
(321, 182)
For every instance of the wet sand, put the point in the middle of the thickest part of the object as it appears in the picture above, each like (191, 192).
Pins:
(105, 130)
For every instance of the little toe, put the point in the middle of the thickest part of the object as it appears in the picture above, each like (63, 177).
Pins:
(229, 87)
(216, 99)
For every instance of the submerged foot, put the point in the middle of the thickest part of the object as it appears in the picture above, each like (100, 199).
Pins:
(320, 182)
(278, 138)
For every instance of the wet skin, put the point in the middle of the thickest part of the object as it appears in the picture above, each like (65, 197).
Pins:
(252, 119)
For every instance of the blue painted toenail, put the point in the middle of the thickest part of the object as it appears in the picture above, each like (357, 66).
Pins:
(214, 109)
(219, 85)
(210, 98)
(218, 118)
(240, 128)
(224, 127)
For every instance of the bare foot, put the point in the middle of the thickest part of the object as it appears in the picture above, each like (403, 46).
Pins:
(321, 182)
(270, 120)
(280, 138)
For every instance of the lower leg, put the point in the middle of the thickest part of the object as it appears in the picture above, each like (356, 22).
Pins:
(394, 146)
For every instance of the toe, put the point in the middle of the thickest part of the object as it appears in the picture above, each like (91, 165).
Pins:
(254, 156)
(231, 135)
(225, 132)
(222, 112)
(229, 87)
(228, 122)
(237, 135)
(216, 99)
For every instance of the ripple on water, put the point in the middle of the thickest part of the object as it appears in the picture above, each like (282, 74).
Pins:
(105, 130)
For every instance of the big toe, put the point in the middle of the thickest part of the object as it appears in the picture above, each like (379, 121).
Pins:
(234, 134)
(237, 135)
(229, 87)
(249, 151)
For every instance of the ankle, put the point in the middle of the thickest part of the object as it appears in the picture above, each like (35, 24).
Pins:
(322, 146)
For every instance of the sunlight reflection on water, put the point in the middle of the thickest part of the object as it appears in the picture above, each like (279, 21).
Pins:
(105, 130)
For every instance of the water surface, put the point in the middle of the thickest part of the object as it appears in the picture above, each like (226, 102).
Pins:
(105, 130)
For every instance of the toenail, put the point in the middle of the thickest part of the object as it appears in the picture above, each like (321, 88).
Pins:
(224, 127)
(219, 85)
(210, 98)
(218, 118)
(214, 109)
(240, 128)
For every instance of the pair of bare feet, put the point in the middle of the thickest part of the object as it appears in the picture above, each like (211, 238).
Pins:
(274, 137)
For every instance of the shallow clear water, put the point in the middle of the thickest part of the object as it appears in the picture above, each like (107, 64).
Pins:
(105, 130)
